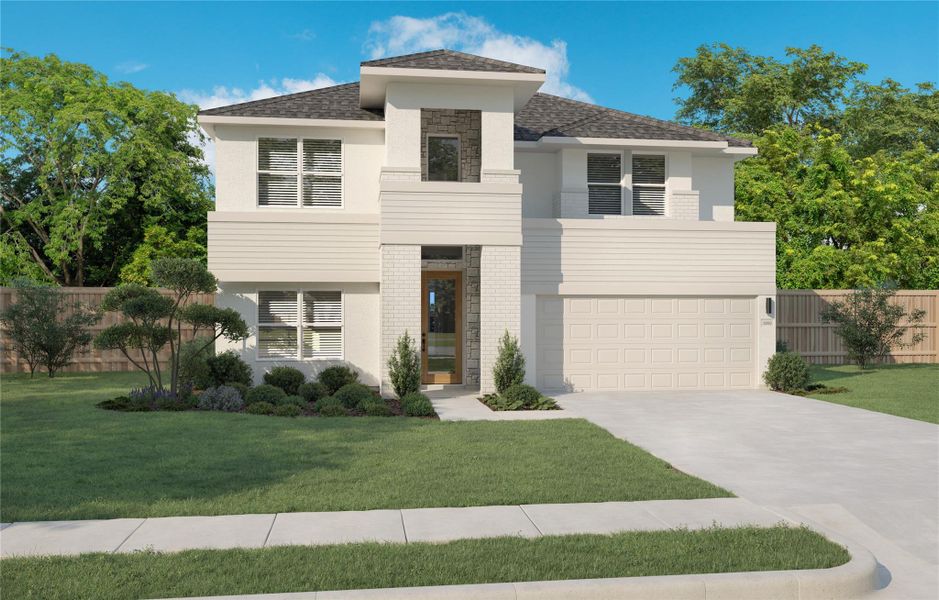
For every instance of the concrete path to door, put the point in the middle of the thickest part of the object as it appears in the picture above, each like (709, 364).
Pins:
(870, 477)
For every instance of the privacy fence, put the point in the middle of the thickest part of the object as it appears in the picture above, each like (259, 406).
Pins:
(797, 324)
(90, 360)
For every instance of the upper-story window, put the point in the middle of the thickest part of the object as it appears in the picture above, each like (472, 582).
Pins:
(604, 184)
(299, 172)
(649, 184)
(443, 158)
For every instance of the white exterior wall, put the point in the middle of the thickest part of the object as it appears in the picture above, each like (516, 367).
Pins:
(500, 305)
(714, 179)
(400, 300)
(540, 179)
(360, 337)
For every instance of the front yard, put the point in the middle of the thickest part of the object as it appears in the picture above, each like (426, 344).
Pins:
(63, 458)
(356, 566)
(910, 391)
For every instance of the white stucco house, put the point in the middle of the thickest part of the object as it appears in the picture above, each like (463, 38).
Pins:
(444, 195)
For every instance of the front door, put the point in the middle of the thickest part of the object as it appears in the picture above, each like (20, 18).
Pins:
(442, 326)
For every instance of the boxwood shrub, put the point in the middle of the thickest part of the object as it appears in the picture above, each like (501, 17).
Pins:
(287, 410)
(787, 372)
(313, 391)
(286, 378)
(334, 410)
(376, 408)
(260, 408)
(352, 395)
(265, 393)
(417, 404)
(336, 377)
(227, 367)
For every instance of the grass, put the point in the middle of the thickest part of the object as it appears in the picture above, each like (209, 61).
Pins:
(357, 566)
(62, 458)
(910, 391)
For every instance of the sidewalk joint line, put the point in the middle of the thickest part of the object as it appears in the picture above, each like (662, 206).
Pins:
(124, 541)
(538, 529)
(403, 528)
(269, 530)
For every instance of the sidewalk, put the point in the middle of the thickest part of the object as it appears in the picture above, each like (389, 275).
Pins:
(171, 534)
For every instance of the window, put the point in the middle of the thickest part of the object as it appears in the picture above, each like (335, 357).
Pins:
(286, 180)
(443, 158)
(649, 184)
(300, 325)
(604, 191)
(441, 252)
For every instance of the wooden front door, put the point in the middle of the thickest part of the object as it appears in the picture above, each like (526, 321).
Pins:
(442, 326)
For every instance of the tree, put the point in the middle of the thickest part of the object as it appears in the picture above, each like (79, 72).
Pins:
(86, 165)
(890, 118)
(159, 242)
(404, 367)
(154, 320)
(46, 329)
(734, 91)
(869, 324)
(509, 369)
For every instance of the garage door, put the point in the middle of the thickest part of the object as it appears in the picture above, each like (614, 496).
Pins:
(632, 343)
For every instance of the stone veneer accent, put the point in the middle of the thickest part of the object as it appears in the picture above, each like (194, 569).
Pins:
(465, 123)
(500, 304)
(400, 300)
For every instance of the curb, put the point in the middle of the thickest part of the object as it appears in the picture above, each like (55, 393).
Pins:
(845, 582)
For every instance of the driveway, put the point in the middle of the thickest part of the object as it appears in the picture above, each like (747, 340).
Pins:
(869, 476)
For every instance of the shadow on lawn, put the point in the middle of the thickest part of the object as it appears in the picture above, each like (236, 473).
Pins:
(823, 373)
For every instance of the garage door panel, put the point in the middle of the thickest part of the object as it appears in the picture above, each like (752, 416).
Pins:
(609, 343)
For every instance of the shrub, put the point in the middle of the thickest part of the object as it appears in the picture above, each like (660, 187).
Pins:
(377, 408)
(265, 393)
(228, 367)
(242, 388)
(313, 391)
(287, 410)
(260, 408)
(193, 365)
(352, 395)
(510, 364)
(404, 367)
(222, 397)
(286, 378)
(336, 377)
(523, 394)
(417, 404)
(326, 401)
(151, 398)
(334, 410)
(869, 325)
(293, 401)
(120, 403)
(519, 397)
(787, 372)
(171, 403)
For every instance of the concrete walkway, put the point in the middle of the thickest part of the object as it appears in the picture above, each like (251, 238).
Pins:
(171, 534)
(867, 476)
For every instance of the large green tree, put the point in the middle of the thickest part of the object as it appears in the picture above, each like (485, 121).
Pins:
(891, 118)
(86, 165)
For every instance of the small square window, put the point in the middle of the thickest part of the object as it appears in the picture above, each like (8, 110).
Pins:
(443, 158)
(441, 252)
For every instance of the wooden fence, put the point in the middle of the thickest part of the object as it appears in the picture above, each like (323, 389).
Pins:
(799, 326)
(90, 360)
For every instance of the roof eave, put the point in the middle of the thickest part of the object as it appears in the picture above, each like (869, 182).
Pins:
(210, 121)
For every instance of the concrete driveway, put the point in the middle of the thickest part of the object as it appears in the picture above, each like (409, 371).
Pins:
(869, 476)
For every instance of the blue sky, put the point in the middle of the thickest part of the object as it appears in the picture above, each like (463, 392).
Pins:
(616, 54)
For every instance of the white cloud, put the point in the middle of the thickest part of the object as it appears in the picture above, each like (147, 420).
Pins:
(459, 31)
(223, 96)
(129, 67)
(304, 36)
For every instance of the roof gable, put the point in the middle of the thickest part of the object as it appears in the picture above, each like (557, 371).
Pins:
(450, 60)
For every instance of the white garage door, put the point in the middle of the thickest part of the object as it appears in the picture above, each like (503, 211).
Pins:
(632, 343)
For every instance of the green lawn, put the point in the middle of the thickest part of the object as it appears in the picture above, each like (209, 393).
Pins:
(62, 458)
(910, 391)
(356, 566)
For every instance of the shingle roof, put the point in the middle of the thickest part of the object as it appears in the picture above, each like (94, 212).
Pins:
(336, 102)
(450, 60)
(553, 116)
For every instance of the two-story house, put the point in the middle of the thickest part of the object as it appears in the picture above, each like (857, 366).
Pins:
(445, 196)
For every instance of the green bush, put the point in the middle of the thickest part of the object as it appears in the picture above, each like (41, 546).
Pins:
(193, 365)
(242, 388)
(121, 403)
(510, 364)
(222, 397)
(519, 397)
(336, 377)
(286, 378)
(313, 391)
(417, 404)
(377, 408)
(404, 367)
(293, 401)
(260, 408)
(352, 395)
(228, 367)
(325, 402)
(787, 372)
(523, 394)
(334, 410)
(287, 410)
(265, 393)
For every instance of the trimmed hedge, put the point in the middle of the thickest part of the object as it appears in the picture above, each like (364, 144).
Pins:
(286, 378)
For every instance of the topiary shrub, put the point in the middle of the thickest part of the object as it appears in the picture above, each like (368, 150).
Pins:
(336, 377)
(228, 367)
(510, 364)
(293, 401)
(404, 367)
(287, 410)
(265, 393)
(417, 404)
(352, 395)
(286, 378)
(334, 410)
(260, 408)
(242, 388)
(376, 408)
(222, 397)
(313, 391)
(325, 402)
(787, 372)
